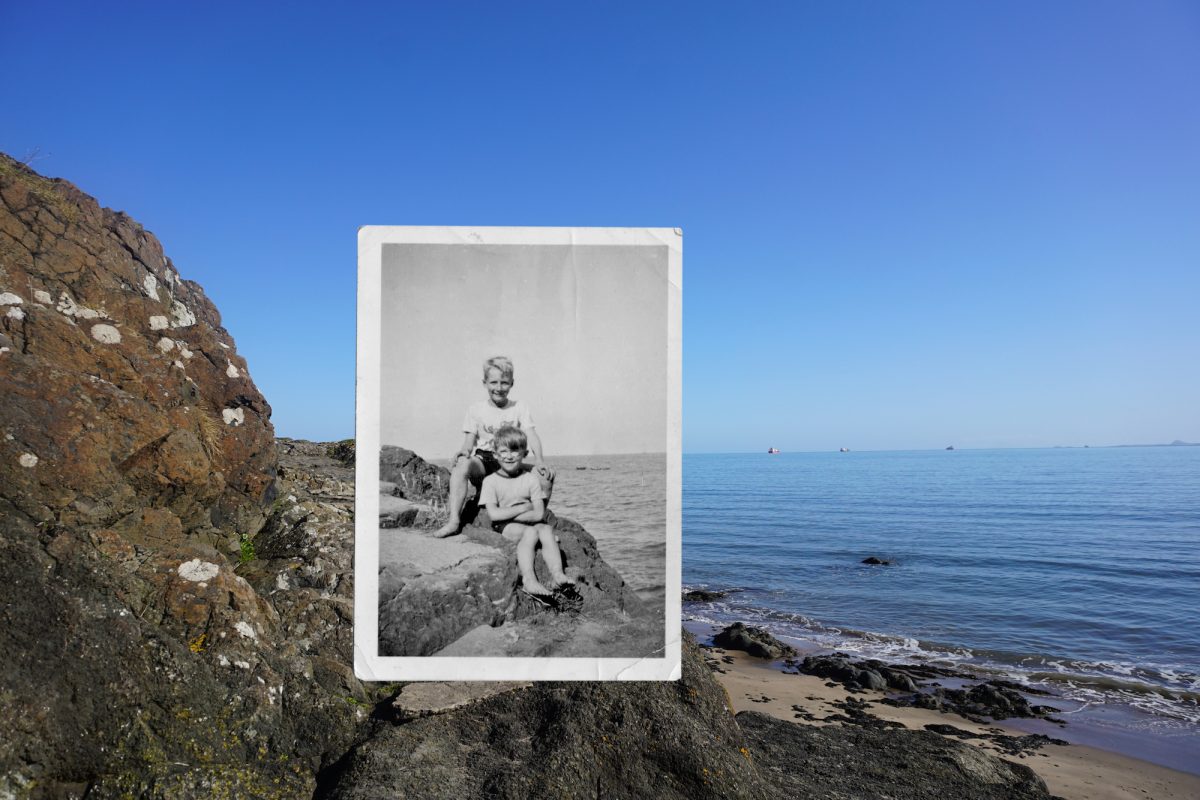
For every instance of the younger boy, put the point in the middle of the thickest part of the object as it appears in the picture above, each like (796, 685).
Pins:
(517, 507)
(476, 459)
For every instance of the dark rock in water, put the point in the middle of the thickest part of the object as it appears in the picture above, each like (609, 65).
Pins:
(877, 562)
(985, 700)
(857, 761)
(702, 596)
(858, 675)
(755, 641)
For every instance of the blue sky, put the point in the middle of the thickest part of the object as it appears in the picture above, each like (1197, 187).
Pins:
(906, 225)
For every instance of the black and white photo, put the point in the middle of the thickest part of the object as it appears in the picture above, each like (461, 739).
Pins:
(521, 388)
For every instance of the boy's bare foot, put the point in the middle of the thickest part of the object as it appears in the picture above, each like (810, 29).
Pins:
(559, 581)
(449, 529)
(532, 586)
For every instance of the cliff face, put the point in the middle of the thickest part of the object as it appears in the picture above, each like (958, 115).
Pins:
(121, 389)
(137, 471)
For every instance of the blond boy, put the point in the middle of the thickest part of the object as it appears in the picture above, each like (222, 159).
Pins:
(476, 458)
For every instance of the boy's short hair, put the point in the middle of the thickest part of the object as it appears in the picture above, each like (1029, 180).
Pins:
(502, 363)
(511, 438)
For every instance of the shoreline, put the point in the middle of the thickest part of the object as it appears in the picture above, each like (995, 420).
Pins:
(1160, 730)
(1071, 771)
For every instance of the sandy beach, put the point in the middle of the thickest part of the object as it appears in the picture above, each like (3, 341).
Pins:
(1074, 772)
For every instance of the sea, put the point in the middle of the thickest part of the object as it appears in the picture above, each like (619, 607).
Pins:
(621, 501)
(1075, 570)
(1072, 570)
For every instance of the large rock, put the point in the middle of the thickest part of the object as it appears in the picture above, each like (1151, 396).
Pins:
(121, 389)
(147, 649)
(864, 763)
(459, 596)
(631, 740)
(755, 641)
(414, 478)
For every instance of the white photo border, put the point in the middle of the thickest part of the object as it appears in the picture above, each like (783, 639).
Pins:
(368, 664)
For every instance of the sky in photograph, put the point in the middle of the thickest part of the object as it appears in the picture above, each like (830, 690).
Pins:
(906, 225)
(585, 328)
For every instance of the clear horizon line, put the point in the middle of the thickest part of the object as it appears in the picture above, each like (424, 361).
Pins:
(939, 449)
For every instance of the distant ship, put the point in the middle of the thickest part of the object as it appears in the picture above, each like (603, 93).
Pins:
(772, 450)
(844, 450)
(951, 447)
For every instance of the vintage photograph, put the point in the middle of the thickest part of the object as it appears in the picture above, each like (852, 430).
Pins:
(521, 389)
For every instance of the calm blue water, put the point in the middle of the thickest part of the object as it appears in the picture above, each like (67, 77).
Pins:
(1073, 567)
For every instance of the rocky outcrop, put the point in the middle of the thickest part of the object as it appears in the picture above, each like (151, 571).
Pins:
(148, 648)
(755, 641)
(855, 761)
(459, 596)
(121, 389)
(861, 675)
(660, 739)
(993, 700)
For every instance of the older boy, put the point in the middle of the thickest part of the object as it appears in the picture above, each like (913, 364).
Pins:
(516, 505)
(476, 459)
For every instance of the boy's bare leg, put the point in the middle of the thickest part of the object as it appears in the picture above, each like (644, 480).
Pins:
(552, 556)
(529, 540)
(465, 469)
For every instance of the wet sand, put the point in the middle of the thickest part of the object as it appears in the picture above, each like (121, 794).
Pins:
(1074, 772)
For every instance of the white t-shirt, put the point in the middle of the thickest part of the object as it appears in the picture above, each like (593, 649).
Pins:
(484, 419)
(502, 491)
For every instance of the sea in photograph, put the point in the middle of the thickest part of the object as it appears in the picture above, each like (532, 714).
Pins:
(621, 501)
(1071, 569)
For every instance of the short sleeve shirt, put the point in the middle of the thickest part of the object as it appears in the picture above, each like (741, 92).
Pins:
(484, 419)
(504, 492)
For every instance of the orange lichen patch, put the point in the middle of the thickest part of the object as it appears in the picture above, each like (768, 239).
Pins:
(197, 645)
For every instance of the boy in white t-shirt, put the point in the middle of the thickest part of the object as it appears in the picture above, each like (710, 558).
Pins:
(476, 459)
(516, 506)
